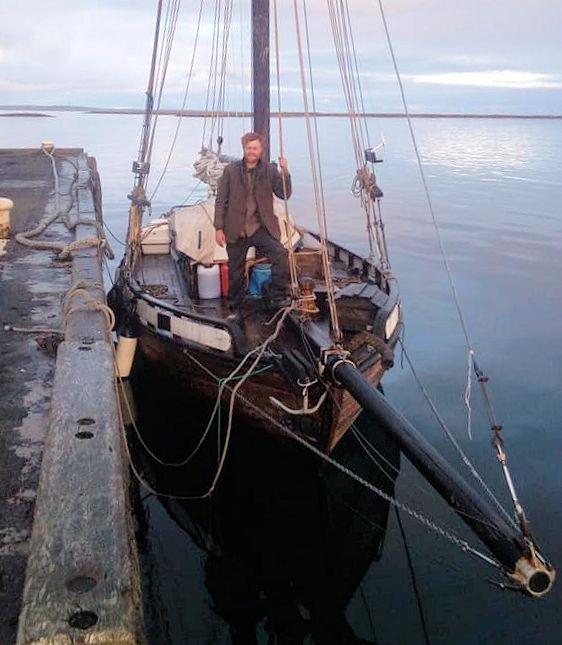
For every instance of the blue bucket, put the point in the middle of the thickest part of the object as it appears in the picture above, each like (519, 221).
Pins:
(260, 276)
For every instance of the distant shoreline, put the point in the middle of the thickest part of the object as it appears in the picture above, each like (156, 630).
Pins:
(31, 110)
(28, 114)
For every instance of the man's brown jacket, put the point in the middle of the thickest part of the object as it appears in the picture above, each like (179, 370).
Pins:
(230, 204)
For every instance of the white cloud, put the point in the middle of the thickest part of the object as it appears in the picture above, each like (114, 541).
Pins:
(97, 53)
(504, 79)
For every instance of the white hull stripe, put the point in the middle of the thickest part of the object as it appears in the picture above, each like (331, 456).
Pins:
(183, 328)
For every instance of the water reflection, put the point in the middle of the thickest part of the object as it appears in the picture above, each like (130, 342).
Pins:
(286, 542)
(473, 147)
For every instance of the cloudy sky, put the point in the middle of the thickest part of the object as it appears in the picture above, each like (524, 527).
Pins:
(455, 55)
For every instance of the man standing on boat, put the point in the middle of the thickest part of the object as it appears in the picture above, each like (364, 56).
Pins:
(244, 216)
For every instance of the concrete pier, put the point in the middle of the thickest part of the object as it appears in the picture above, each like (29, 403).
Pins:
(65, 521)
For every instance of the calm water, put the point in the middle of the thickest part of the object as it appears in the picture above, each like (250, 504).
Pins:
(497, 189)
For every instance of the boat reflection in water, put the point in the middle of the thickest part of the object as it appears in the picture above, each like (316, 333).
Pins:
(287, 540)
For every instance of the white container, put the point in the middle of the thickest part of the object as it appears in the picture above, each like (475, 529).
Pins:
(6, 206)
(155, 238)
(209, 281)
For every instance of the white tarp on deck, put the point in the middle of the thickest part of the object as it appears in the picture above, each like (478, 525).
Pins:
(194, 233)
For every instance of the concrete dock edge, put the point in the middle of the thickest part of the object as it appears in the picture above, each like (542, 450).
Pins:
(82, 580)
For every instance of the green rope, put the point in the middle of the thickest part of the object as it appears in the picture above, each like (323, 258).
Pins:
(221, 383)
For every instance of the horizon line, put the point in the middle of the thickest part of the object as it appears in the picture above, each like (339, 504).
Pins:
(287, 113)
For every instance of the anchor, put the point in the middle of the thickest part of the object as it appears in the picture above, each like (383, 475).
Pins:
(305, 410)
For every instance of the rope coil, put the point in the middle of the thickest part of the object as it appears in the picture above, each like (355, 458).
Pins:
(62, 249)
(80, 289)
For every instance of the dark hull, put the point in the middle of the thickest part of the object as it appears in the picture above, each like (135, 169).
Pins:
(324, 428)
(199, 343)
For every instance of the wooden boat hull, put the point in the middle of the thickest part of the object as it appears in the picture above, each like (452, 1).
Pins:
(199, 343)
(183, 364)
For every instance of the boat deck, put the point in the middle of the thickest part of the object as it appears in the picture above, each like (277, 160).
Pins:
(160, 275)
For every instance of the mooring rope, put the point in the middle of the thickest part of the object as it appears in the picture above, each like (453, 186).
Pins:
(62, 249)
(80, 289)
(258, 351)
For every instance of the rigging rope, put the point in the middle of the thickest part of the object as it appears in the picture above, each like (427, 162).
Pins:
(145, 132)
(241, 22)
(318, 199)
(216, 85)
(364, 185)
(224, 73)
(170, 23)
(183, 105)
(497, 440)
(212, 67)
(290, 251)
(313, 99)
(452, 439)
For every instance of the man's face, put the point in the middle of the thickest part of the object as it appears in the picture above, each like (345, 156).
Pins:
(253, 151)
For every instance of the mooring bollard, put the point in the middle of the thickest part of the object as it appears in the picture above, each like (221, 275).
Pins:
(6, 206)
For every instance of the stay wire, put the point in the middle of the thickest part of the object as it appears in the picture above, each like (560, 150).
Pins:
(183, 105)
(413, 578)
(424, 181)
(171, 20)
(472, 364)
(452, 439)
(420, 517)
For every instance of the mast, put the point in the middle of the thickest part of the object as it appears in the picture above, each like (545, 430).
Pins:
(141, 166)
(260, 65)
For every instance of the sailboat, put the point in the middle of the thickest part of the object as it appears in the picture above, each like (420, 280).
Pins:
(338, 297)
(302, 373)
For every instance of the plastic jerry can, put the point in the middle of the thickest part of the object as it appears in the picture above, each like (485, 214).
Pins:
(209, 281)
